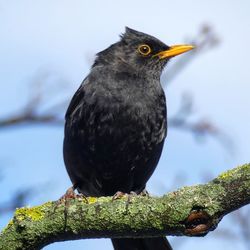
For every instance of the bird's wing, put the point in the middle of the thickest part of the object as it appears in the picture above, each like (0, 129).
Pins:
(76, 101)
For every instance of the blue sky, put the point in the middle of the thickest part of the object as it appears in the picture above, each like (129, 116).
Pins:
(60, 38)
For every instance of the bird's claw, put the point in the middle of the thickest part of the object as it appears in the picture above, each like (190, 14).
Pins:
(144, 192)
(118, 195)
(70, 194)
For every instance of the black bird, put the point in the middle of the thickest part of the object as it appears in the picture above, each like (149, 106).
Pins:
(116, 123)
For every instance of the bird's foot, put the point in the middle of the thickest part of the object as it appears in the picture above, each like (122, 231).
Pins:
(70, 194)
(119, 195)
(144, 192)
(130, 196)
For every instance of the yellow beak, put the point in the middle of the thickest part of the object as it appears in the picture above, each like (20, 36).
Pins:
(174, 50)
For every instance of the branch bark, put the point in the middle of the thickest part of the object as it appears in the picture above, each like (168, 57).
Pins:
(191, 211)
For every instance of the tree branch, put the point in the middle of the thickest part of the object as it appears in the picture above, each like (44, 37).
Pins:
(191, 211)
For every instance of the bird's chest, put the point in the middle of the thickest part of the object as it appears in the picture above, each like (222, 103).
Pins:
(143, 122)
(125, 121)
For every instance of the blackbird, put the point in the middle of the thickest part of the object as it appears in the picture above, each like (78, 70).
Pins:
(116, 123)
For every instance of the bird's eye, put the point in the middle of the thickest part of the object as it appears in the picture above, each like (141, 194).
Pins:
(144, 49)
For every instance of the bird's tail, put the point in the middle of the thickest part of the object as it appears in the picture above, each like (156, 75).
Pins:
(160, 243)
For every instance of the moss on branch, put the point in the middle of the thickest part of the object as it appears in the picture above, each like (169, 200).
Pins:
(191, 211)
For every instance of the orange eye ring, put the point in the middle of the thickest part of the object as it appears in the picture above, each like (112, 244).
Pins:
(144, 50)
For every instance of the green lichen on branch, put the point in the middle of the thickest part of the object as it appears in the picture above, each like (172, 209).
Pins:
(234, 173)
(34, 213)
(194, 210)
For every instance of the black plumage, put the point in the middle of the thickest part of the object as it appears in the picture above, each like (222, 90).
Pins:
(116, 122)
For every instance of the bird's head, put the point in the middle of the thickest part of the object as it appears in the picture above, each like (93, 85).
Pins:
(140, 52)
